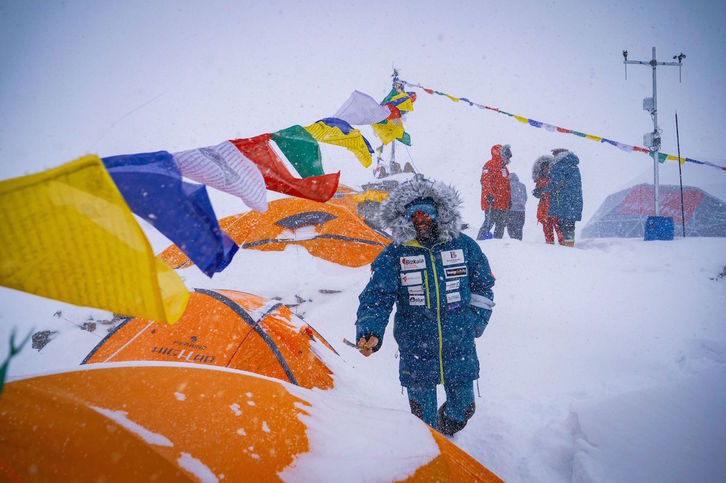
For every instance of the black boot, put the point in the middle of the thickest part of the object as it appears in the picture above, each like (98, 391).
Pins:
(448, 426)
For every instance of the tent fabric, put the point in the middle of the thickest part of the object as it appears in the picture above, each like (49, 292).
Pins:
(623, 214)
(301, 149)
(360, 108)
(344, 238)
(176, 423)
(69, 235)
(278, 178)
(229, 329)
(152, 186)
(224, 168)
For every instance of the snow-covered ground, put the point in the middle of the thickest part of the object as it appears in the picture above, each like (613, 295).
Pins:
(606, 362)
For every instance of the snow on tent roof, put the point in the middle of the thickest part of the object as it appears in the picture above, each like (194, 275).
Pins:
(165, 422)
(331, 231)
(623, 214)
(229, 329)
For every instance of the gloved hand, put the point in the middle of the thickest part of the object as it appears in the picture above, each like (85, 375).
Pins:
(490, 200)
(510, 204)
(366, 346)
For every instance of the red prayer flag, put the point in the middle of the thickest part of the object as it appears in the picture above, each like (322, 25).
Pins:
(278, 178)
(395, 112)
(562, 129)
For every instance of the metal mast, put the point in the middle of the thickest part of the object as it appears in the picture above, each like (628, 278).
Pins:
(650, 104)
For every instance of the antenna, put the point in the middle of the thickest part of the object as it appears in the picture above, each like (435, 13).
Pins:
(650, 104)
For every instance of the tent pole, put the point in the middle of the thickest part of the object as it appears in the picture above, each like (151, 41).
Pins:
(680, 176)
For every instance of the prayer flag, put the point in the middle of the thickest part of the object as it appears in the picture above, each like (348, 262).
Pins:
(223, 167)
(340, 133)
(68, 235)
(153, 188)
(360, 109)
(301, 149)
(278, 178)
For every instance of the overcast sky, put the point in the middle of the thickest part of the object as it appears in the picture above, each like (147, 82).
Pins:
(121, 77)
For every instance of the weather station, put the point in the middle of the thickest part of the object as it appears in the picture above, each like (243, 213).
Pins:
(656, 227)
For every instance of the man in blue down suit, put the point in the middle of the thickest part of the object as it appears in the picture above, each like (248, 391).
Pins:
(442, 286)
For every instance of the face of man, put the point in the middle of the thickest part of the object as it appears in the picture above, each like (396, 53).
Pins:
(422, 223)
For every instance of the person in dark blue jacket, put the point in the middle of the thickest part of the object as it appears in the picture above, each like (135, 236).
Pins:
(441, 284)
(565, 188)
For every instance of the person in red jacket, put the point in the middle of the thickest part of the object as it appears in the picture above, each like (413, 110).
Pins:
(496, 195)
(541, 177)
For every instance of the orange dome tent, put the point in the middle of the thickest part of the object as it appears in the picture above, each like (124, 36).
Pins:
(179, 423)
(332, 231)
(229, 329)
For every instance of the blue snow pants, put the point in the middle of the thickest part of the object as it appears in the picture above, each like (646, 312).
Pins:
(422, 400)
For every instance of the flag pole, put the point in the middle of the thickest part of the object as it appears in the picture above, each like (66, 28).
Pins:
(680, 176)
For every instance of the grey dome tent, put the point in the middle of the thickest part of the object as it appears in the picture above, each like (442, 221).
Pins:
(623, 214)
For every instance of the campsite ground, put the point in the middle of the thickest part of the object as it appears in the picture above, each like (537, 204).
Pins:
(598, 360)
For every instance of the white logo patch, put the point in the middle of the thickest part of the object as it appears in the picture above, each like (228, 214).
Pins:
(452, 297)
(416, 290)
(417, 262)
(452, 257)
(452, 285)
(411, 278)
(416, 300)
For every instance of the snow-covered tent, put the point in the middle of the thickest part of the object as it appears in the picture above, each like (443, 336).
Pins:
(623, 214)
(231, 329)
(166, 422)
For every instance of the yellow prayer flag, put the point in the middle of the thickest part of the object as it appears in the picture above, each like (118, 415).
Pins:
(388, 132)
(353, 141)
(521, 119)
(455, 99)
(68, 235)
(404, 106)
(676, 158)
(594, 138)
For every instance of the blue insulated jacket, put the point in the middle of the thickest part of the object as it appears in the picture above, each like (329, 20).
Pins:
(566, 187)
(443, 298)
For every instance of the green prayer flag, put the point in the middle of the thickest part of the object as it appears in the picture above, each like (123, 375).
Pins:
(301, 149)
(578, 133)
(390, 95)
(405, 139)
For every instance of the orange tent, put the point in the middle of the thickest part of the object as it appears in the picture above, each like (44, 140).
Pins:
(332, 231)
(229, 329)
(174, 423)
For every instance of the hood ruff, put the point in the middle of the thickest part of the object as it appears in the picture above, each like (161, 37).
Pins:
(446, 199)
(537, 171)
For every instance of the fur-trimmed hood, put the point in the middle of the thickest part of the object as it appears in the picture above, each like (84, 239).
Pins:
(445, 197)
(539, 165)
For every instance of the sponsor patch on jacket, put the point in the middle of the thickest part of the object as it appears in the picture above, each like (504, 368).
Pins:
(416, 300)
(452, 257)
(411, 278)
(417, 262)
(452, 285)
(415, 290)
(452, 297)
(455, 272)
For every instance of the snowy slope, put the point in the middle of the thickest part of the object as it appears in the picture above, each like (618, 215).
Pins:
(582, 344)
